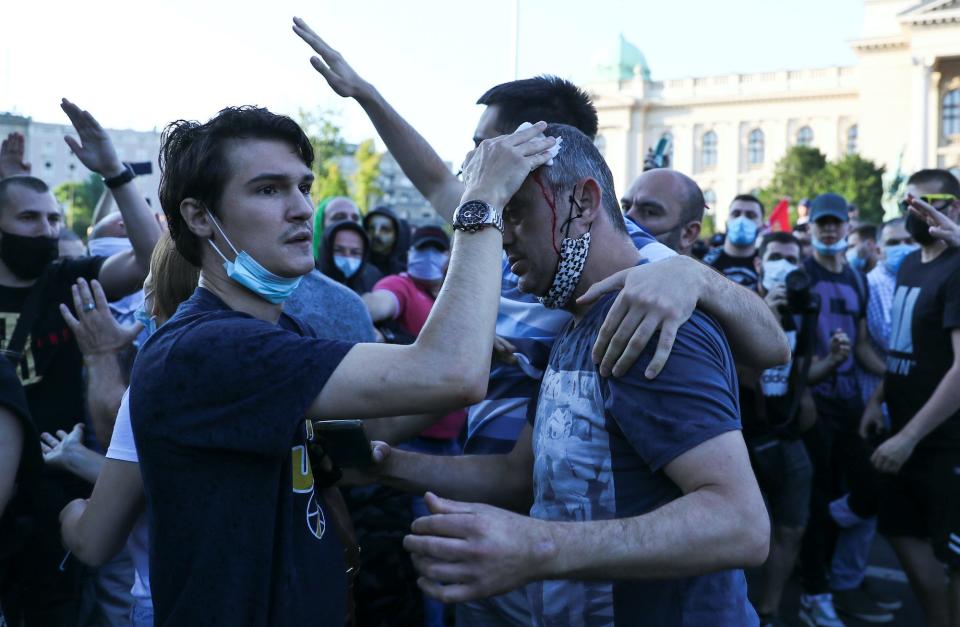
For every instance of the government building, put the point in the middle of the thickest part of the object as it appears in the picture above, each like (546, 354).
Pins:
(901, 98)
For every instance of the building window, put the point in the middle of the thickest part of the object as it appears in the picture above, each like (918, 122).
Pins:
(951, 113)
(708, 152)
(709, 199)
(755, 147)
(852, 139)
(805, 136)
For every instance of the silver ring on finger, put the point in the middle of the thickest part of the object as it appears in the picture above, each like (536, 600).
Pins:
(88, 307)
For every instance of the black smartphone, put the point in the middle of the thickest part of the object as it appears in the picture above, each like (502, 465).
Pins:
(344, 441)
(141, 167)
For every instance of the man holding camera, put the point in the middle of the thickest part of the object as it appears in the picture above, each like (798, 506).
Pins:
(833, 443)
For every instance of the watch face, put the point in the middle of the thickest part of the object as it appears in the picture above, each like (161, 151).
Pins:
(473, 213)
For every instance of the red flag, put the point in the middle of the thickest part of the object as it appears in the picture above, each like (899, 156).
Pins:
(780, 216)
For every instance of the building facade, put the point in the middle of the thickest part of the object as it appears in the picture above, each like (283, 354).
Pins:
(727, 132)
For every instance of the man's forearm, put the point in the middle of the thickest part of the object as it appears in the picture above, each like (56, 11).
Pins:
(396, 429)
(942, 404)
(820, 369)
(755, 335)
(84, 463)
(418, 160)
(701, 532)
(869, 359)
(105, 389)
(477, 478)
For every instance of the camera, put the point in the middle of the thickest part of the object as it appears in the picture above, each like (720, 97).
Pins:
(800, 300)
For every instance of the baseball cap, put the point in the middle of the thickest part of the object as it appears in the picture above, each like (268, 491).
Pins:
(829, 204)
(430, 235)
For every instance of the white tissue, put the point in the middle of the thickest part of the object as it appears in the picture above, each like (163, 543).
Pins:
(553, 150)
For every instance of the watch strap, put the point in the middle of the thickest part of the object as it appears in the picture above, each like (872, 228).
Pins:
(121, 179)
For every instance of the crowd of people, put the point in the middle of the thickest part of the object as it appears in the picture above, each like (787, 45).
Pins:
(581, 412)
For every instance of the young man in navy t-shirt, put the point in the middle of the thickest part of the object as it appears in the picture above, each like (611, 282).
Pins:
(654, 472)
(240, 531)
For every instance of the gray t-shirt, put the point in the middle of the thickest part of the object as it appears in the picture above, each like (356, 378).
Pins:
(332, 310)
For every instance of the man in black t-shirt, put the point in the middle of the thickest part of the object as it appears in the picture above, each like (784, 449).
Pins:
(49, 363)
(920, 502)
(736, 259)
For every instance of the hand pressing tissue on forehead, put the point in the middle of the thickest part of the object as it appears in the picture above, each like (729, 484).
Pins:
(496, 169)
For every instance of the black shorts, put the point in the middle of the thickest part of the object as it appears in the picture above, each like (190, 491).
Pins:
(785, 475)
(923, 501)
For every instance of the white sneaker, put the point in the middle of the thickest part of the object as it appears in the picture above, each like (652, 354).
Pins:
(816, 610)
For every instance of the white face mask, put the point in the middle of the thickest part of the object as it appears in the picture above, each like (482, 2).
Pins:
(775, 273)
(109, 246)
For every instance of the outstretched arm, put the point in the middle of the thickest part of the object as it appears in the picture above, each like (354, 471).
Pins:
(124, 272)
(662, 296)
(418, 160)
(375, 379)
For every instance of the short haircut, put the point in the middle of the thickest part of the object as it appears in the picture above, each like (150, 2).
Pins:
(30, 182)
(866, 231)
(778, 237)
(174, 278)
(948, 182)
(579, 159)
(750, 198)
(547, 98)
(889, 223)
(194, 162)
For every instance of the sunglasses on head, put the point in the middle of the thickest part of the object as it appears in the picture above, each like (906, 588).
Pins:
(930, 199)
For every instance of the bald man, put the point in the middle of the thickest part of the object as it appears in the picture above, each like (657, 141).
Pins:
(669, 205)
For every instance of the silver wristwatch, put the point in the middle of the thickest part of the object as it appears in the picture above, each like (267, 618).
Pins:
(474, 215)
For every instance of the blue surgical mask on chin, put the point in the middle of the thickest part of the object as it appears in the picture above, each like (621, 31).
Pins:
(149, 322)
(855, 260)
(741, 231)
(245, 270)
(894, 256)
(347, 265)
(836, 248)
(426, 264)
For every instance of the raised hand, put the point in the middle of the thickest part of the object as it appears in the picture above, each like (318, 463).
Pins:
(331, 65)
(94, 150)
(11, 157)
(941, 226)
(496, 169)
(93, 325)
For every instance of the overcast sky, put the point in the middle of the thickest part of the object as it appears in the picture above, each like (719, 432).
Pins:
(140, 65)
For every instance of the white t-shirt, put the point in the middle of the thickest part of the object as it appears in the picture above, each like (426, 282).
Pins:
(123, 449)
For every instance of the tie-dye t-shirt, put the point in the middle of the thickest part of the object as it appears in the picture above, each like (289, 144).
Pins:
(600, 446)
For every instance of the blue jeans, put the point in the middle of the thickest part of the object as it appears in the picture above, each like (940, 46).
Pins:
(849, 564)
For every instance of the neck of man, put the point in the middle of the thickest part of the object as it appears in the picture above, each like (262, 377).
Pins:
(931, 251)
(9, 279)
(739, 251)
(832, 263)
(214, 278)
(610, 252)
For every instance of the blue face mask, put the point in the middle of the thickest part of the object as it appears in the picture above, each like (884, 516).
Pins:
(896, 254)
(836, 248)
(245, 270)
(426, 264)
(347, 265)
(856, 262)
(741, 231)
(149, 322)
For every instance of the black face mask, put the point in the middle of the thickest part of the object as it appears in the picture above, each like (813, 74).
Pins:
(28, 257)
(919, 230)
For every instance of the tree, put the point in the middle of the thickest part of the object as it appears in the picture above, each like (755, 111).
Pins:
(365, 179)
(804, 173)
(79, 198)
(331, 182)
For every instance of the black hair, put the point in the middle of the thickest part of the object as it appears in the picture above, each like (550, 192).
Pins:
(948, 182)
(548, 98)
(30, 182)
(750, 198)
(579, 159)
(778, 237)
(194, 163)
(866, 231)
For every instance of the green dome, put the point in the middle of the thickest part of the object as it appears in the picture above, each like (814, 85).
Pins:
(621, 62)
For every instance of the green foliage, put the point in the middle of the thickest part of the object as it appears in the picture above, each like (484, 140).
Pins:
(707, 226)
(365, 186)
(79, 200)
(804, 173)
(330, 182)
(328, 145)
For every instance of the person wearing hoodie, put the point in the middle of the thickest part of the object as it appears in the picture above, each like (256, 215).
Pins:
(389, 240)
(330, 210)
(344, 257)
